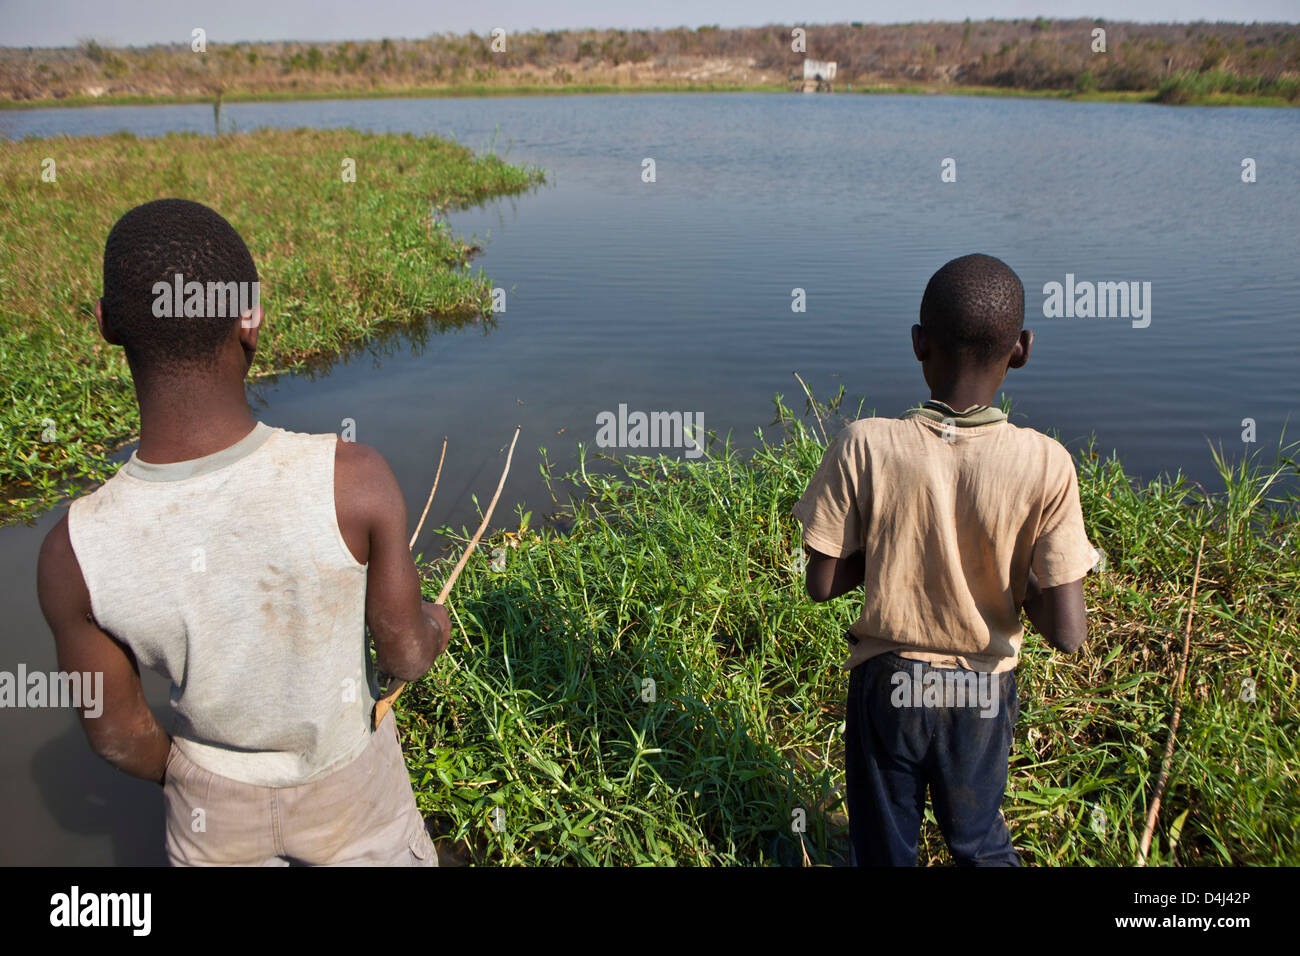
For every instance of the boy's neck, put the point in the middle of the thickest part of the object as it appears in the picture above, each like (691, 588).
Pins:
(966, 389)
(181, 422)
(961, 399)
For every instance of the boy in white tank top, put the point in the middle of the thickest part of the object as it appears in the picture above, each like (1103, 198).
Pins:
(244, 563)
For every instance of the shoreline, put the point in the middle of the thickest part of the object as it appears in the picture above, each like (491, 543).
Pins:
(484, 91)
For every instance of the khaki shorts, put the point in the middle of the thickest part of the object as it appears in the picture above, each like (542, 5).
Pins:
(363, 814)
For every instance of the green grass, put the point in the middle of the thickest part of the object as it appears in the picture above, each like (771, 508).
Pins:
(339, 264)
(1194, 93)
(1190, 95)
(684, 573)
(1225, 86)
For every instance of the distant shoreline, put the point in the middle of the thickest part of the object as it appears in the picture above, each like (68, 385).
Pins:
(483, 91)
(1086, 59)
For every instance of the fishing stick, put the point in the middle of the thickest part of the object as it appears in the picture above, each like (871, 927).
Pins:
(432, 491)
(813, 403)
(1163, 779)
(385, 703)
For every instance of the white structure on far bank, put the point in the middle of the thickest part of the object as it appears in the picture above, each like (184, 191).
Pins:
(817, 76)
(818, 69)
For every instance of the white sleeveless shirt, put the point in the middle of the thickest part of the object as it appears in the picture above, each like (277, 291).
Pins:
(228, 575)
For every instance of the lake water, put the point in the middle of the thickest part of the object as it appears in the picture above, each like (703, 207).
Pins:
(676, 295)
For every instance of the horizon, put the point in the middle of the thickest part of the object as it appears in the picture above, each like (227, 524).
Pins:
(63, 24)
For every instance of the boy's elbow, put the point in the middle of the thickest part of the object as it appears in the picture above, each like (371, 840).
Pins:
(409, 665)
(819, 579)
(406, 650)
(112, 742)
(410, 660)
(408, 673)
(107, 746)
(1069, 640)
(818, 588)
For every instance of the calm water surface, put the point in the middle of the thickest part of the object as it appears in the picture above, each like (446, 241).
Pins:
(676, 295)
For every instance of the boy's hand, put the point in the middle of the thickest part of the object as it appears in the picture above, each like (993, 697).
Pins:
(437, 613)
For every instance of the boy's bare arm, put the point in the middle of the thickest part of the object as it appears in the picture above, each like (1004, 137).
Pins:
(125, 733)
(409, 633)
(1058, 613)
(826, 578)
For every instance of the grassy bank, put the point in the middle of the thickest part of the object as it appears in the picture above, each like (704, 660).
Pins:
(1179, 91)
(339, 263)
(686, 574)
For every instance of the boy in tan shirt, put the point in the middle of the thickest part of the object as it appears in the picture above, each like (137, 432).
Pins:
(951, 522)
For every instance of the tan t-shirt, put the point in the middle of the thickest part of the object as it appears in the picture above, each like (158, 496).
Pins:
(951, 509)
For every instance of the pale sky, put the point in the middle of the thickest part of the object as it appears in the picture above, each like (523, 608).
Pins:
(140, 23)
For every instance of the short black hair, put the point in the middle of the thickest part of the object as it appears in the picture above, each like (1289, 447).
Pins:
(974, 308)
(153, 243)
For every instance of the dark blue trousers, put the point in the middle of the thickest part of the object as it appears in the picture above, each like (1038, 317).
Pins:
(897, 745)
